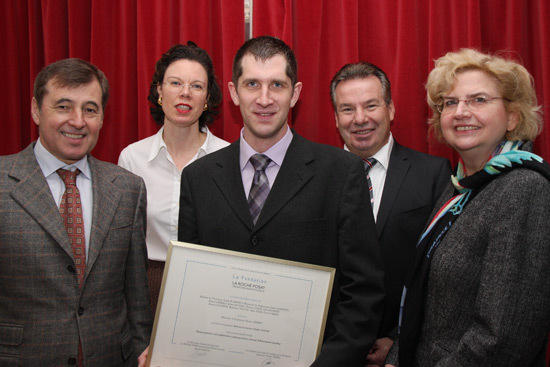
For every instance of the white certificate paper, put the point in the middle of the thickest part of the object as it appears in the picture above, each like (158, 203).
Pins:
(230, 309)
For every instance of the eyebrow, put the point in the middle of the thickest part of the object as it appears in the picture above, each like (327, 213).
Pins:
(472, 95)
(178, 79)
(65, 100)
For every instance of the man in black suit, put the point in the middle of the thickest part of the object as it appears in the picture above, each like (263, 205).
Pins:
(405, 184)
(314, 210)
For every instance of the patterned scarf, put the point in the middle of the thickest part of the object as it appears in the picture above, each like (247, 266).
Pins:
(505, 158)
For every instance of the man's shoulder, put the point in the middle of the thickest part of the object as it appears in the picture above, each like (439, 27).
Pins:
(325, 153)
(113, 173)
(419, 157)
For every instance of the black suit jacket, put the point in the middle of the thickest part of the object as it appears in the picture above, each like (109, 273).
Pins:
(314, 213)
(414, 182)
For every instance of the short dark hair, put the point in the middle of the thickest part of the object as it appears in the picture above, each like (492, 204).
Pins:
(70, 73)
(360, 70)
(264, 48)
(186, 52)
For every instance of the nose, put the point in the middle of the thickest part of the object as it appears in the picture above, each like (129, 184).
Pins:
(360, 116)
(462, 109)
(264, 99)
(185, 90)
(77, 119)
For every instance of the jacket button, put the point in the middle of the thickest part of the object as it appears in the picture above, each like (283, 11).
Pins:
(254, 240)
(71, 361)
(80, 311)
(71, 269)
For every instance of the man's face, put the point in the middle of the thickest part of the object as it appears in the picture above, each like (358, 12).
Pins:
(362, 116)
(264, 94)
(69, 119)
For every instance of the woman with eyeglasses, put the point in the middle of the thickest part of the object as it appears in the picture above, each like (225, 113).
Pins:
(184, 98)
(479, 292)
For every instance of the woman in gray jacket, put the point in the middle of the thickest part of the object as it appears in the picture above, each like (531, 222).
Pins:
(479, 294)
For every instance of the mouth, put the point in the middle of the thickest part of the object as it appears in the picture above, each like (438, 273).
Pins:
(72, 136)
(466, 128)
(264, 115)
(362, 132)
(183, 108)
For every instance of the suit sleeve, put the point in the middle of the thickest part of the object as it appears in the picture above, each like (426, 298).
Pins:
(512, 307)
(442, 179)
(358, 312)
(136, 287)
(187, 221)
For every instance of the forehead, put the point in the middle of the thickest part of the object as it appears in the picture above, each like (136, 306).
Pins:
(272, 68)
(474, 81)
(184, 68)
(83, 93)
(360, 88)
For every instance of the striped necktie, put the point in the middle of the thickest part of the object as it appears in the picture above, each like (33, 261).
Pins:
(369, 163)
(260, 186)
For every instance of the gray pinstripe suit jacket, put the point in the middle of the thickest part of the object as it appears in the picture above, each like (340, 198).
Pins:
(43, 312)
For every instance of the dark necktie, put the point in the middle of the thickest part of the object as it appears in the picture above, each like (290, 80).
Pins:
(260, 186)
(369, 163)
(71, 211)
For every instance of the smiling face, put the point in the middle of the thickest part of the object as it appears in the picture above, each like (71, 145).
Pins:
(362, 116)
(69, 119)
(475, 133)
(183, 92)
(264, 94)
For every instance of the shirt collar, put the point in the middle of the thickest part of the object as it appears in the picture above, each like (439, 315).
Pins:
(383, 154)
(276, 152)
(159, 145)
(49, 163)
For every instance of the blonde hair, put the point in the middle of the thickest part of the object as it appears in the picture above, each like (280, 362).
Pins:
(514, 82)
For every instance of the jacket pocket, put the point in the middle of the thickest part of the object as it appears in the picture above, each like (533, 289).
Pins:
(11, 337)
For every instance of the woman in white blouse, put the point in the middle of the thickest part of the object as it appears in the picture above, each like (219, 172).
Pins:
(184, 97)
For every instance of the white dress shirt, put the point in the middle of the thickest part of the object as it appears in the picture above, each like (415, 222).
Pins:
(149, 158)
(49, 164)
(378, 172)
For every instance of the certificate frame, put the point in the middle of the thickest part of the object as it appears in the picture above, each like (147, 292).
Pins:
(225, 308)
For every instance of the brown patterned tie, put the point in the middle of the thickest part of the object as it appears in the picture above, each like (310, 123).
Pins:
(71, 211)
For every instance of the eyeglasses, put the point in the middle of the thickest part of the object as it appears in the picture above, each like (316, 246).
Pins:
(449, 105)
(176, 86)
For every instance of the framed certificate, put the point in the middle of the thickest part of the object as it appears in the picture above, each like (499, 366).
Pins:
(224, 308)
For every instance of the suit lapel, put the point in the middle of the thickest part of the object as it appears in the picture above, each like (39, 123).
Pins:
(227, 176)
(34, 195)
(398, 168)
(294, 173)
(105, 203)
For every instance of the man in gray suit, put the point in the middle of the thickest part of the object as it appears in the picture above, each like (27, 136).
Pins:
(72, 291)
(404, 183)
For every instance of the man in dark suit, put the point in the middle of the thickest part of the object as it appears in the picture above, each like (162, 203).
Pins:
(314, 208)
(404, 183)
(73, 286)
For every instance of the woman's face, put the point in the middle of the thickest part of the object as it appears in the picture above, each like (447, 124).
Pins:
(184, 91)
(475, 130)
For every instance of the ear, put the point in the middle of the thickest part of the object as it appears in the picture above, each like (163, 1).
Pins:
(391, 109)
(336, 118)
(35, 111)
(513, 120)
(296, 93)
(159, 90)
(233, 93)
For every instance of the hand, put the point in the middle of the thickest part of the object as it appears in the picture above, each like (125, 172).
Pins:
(378, 352)
(143, 357)
(389, 365)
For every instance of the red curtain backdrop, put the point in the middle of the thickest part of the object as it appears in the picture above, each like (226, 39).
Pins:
(124, 38)
(402, 37)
